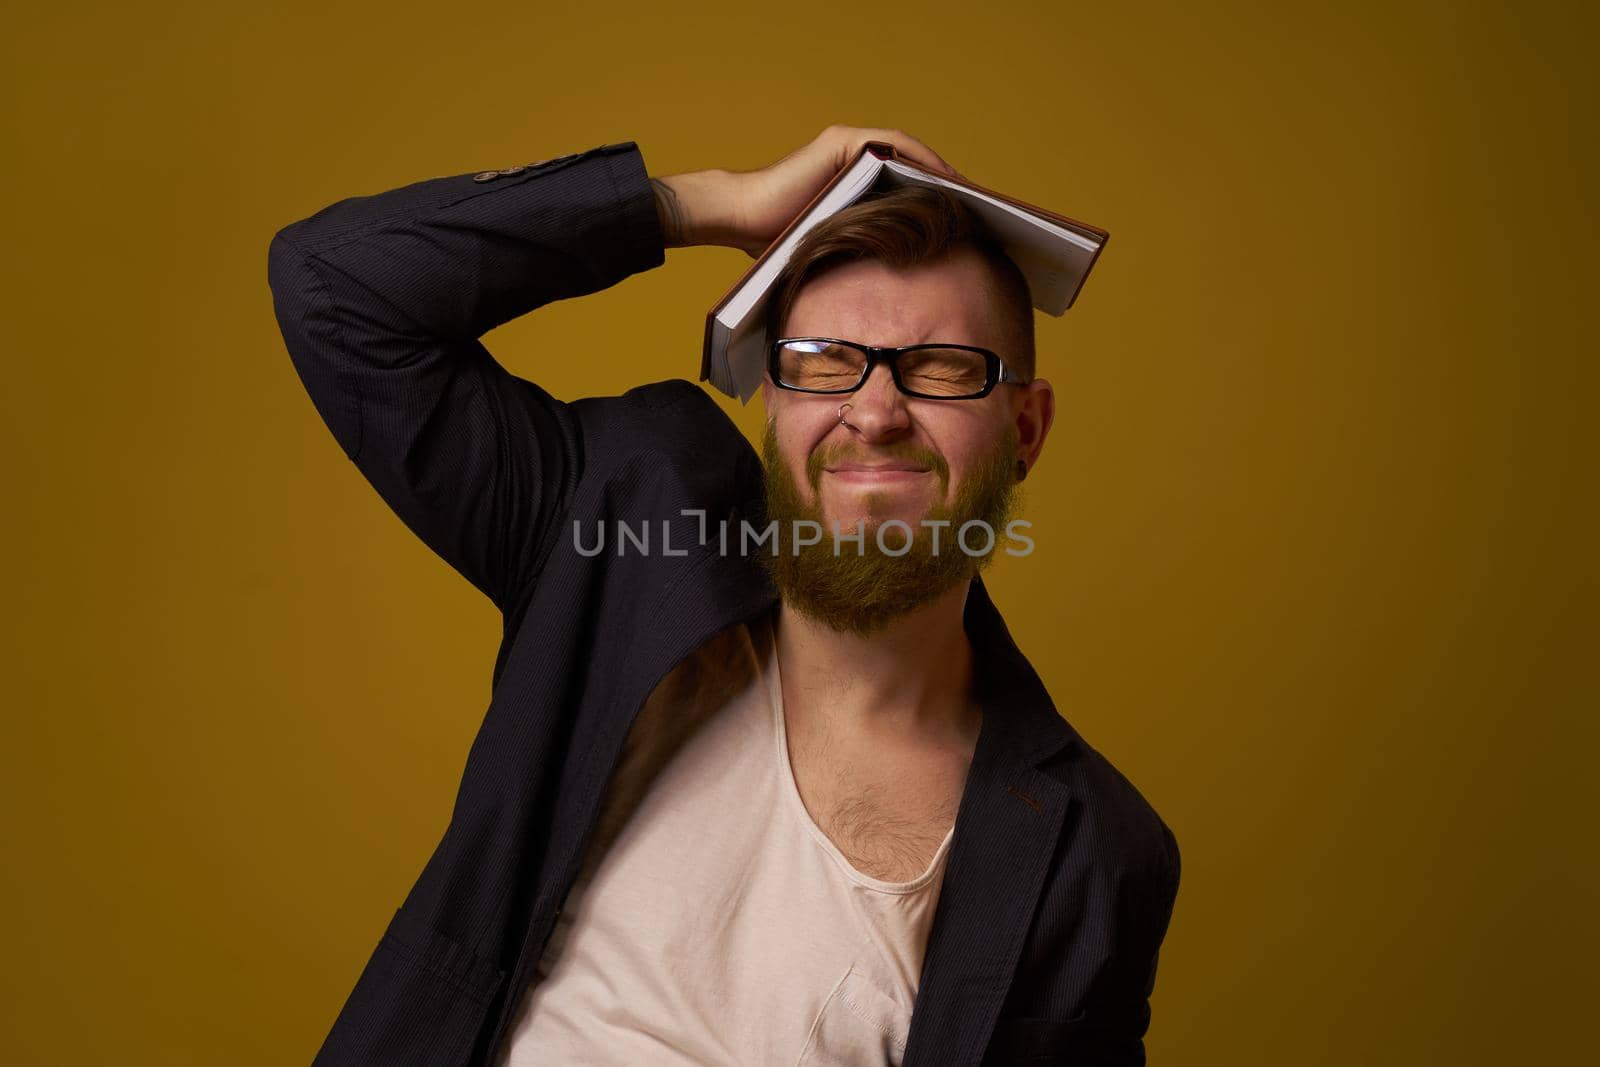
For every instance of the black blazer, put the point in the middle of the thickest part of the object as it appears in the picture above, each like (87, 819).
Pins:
(1060, 878)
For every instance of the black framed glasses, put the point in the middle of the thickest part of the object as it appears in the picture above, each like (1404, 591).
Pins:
(931, 371)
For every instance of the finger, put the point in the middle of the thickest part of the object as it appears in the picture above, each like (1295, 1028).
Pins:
(911, 148)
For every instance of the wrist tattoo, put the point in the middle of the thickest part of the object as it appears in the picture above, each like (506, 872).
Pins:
(674, 222)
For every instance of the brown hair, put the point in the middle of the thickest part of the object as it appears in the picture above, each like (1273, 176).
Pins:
(905, 227)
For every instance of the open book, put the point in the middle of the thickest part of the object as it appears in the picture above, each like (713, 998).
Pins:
(1053, 252)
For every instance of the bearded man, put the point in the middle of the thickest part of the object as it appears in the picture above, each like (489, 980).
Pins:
(803, 805)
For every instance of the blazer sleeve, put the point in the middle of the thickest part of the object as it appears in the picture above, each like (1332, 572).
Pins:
(381, 301)
(1120, 1022)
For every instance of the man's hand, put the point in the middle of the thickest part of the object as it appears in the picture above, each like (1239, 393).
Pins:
(748, 209)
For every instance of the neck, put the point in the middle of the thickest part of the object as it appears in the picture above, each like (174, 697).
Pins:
(910, 682)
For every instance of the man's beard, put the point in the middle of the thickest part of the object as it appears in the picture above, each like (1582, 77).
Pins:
(862, 593)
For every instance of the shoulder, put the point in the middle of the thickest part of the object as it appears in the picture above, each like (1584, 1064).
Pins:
(1118, 826)
(668, 440)
(651, 397)
(664, 394)
(674, 413)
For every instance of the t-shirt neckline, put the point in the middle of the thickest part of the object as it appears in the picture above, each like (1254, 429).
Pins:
(774, 681)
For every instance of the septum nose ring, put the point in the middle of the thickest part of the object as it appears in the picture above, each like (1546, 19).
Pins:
(842, 409)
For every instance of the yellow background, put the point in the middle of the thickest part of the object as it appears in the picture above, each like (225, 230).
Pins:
(1316, 526)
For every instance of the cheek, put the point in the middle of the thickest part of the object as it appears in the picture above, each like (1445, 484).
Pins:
(965, 444)
(795, 444)
(802, 433)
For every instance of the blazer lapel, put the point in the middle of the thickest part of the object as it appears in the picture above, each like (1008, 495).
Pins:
(1007, 828)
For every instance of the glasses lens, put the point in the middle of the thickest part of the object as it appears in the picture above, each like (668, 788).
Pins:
(820, 366)
(948, 372)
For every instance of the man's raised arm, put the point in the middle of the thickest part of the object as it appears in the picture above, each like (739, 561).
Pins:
(382, 299)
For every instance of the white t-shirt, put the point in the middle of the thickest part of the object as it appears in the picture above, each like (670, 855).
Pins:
(712, 921)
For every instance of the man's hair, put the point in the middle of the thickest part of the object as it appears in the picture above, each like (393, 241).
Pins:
(905, 227)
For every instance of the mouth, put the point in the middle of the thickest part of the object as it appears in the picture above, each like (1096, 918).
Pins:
(876, 474)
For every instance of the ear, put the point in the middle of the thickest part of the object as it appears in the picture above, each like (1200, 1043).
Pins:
(1035, 410)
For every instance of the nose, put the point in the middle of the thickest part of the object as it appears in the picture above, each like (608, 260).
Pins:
(878, 409)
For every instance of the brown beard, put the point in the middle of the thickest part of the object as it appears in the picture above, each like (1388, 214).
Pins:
(862, 593)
